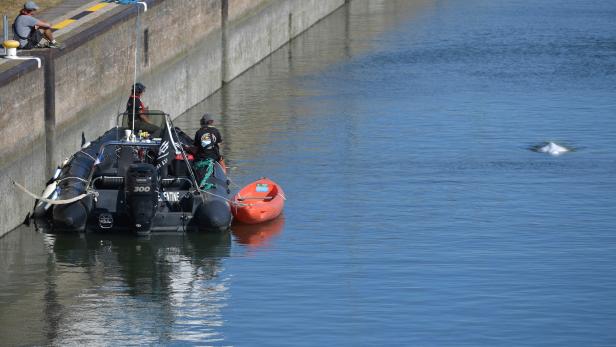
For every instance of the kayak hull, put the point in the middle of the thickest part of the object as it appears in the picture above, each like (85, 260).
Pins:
(258, 202)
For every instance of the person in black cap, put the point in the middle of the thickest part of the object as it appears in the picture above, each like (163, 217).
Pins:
(208, 140)
(142, 120)
(29, 31)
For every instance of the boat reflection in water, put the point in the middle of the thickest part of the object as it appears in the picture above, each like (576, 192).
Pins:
(163, 288)
(257, 235)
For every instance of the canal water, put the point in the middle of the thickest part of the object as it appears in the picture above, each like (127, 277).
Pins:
(416, 213)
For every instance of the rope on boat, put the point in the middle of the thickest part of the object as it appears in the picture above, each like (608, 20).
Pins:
(91, 157)
(200, 165)
(53, 202)
(204, 186)
(73, 178)
(231, 202)
(233, 183)
(208, 165)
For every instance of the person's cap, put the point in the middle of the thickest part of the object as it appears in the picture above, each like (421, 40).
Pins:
(206, 118)
(31, 5)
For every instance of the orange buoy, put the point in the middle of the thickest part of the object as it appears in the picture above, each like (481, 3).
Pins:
(258, 202)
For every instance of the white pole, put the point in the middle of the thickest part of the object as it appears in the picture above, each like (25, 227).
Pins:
(137, 30)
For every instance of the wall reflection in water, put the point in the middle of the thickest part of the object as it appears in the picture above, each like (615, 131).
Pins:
(112, 289)
(265, 112)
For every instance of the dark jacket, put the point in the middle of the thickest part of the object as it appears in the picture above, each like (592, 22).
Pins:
(206, 141)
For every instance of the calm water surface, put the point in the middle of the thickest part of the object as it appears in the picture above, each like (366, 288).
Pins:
(417, 215)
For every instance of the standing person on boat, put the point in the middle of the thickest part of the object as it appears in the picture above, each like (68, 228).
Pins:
(207, 148)
(142, 120)
(29, 31)
(208, 140)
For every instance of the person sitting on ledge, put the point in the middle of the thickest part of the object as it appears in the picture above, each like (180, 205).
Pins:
(142, 120)
(30, 31)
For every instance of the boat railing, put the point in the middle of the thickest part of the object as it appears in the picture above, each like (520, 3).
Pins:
(125, 143)
(150, 144)
(124, 119)
(141, 144)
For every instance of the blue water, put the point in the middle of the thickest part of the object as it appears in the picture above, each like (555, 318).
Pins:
(416, 213)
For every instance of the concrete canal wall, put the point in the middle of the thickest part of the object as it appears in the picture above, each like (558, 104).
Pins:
(187, 49)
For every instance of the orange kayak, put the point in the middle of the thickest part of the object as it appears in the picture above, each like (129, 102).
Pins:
(258, 202)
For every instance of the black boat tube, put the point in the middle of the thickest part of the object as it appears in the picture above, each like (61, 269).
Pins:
(214, 213)
(73, 181)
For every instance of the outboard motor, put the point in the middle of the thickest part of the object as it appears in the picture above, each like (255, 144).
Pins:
(141, 185)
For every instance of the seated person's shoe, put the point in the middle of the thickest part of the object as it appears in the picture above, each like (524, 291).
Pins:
(55, 45)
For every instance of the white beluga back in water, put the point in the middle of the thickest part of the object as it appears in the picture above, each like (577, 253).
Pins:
(551, 148)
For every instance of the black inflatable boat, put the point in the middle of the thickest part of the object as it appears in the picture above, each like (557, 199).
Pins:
(141, 184)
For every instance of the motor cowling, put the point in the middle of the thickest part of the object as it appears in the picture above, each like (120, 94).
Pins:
(141, 191)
